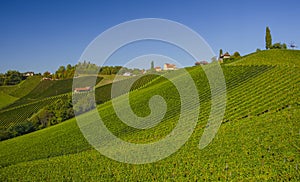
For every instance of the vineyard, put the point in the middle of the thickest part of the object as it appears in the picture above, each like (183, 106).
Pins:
(271, 57)
(258, 139)
(16, 115)
(24, 108)
(50, 88)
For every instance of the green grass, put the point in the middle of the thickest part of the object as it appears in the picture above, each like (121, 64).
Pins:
(258, 140)
(271, 57)
(6, 99)
(108, 79)
(22, 88)
(239, 153)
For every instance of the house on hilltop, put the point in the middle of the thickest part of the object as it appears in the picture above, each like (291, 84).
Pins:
(225, 56)
(168, 66)
(158, 68)
(29, 73)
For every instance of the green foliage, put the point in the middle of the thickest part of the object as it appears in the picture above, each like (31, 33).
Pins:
(11, 77)
(236, 55)
(268, 38)
(57, 112)
(278, 45)
(22, 128)
(86, 68)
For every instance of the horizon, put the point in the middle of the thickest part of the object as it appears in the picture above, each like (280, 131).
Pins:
(41, 36)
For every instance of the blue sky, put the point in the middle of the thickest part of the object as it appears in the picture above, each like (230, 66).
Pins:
(42, 35)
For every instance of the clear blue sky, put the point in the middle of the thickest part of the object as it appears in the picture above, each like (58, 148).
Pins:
(42, 35)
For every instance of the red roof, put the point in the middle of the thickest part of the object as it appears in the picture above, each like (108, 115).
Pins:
(82, 89)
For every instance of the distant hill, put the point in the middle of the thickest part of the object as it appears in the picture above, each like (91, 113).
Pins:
(271, 57)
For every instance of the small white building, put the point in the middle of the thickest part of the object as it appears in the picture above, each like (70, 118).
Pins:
(127, 74)
(158, 68)
(29, 73)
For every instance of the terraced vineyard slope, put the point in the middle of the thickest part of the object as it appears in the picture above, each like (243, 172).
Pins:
(258, 140)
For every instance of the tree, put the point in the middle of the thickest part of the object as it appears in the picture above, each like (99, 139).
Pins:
(236, 55)
(152, 64)
(278, 45)
(268, 38)
(47, 74)
(221, 53)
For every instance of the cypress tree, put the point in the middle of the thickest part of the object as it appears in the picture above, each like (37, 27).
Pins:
(268, 38)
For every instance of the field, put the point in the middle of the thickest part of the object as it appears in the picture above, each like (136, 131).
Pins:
(258, 139)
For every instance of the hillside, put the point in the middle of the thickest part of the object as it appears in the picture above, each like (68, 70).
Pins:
(258, 140)
(6, 99)
(271, 57)
(50, 88)
(10, 94)
(45, 94)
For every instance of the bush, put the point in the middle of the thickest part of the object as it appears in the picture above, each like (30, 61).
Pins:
(22, 128)
(278, 45)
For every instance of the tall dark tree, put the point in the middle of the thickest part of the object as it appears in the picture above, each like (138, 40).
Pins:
(220, 53)
(152, 64)
(268, 38)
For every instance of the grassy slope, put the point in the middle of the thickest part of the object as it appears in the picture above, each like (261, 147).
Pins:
(10, 94)
(247, 150)
(6, 99)
(271, 57)
(108, 79)
(50, 88)
(22, 88)
(248, 146)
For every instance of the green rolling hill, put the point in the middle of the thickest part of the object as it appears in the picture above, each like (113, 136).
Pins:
(271, 57)
(258, 140)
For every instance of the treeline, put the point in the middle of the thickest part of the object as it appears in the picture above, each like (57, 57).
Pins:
(82, 68)
(11, 77)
